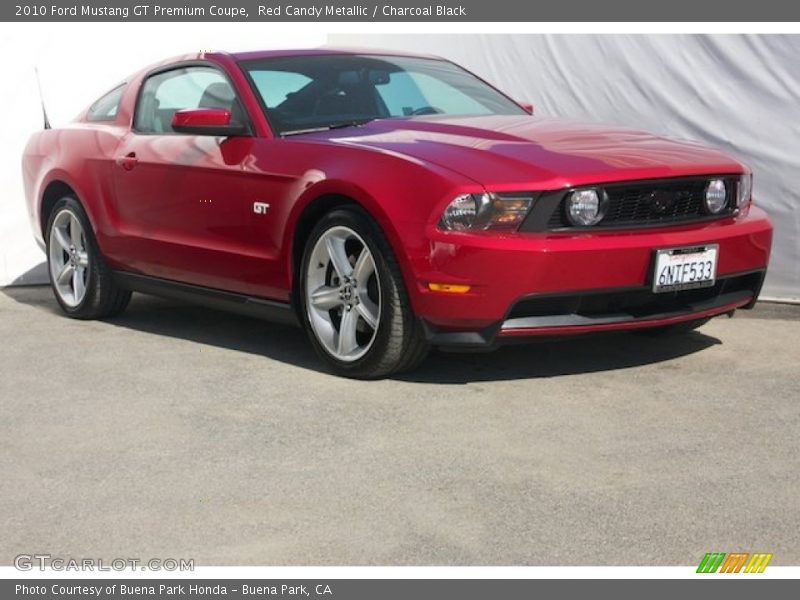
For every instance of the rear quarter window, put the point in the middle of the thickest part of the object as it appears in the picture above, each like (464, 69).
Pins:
(106, 108)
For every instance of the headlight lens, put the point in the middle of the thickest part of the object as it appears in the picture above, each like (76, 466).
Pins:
(716, 196)
(586, 207)
(745, 189)
(475, 212)
(461, 213)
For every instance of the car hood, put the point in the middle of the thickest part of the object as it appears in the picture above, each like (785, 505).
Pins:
(503, 151)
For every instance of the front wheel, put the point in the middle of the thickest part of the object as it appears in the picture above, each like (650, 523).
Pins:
(353, 301)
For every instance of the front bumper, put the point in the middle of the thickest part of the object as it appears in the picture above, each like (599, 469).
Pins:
(578, 282)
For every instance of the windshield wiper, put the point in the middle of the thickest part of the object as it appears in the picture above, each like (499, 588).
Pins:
(332, 126)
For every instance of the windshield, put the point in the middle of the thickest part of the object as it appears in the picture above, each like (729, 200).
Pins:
(306, 93)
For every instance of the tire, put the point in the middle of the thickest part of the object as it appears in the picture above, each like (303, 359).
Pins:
(676, 329)
(82, 282)
(382, 335)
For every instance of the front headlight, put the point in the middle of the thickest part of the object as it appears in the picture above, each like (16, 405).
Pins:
(586, 207)
(745, 190)
(477, 212)
(716, 196)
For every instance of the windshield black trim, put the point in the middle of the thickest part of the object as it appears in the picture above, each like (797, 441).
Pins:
(331, 127)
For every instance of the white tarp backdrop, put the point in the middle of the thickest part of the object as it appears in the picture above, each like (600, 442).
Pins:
(738, 92)
(741, 93)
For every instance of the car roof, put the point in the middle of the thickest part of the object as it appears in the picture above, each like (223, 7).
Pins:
(257, 54)
(324, 50)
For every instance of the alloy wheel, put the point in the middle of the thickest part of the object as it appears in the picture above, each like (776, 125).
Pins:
(343, 299)
(69, 258)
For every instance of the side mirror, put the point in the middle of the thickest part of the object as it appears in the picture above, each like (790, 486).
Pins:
(206, 121)
(527, 107)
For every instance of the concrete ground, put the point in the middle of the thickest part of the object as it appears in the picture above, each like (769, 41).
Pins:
(181, 432)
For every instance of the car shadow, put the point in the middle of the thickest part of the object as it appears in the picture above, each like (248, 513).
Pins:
(175, 319)
(287, 344)
(542, 358)
(36, 275)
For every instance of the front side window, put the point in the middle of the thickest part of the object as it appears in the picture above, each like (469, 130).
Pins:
(165, 93)
(301, 93)
(106, 108)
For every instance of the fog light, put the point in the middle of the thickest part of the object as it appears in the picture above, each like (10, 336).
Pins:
(716, 196)
(586, 207)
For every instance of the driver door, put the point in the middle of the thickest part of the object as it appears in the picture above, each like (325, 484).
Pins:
(180, 198)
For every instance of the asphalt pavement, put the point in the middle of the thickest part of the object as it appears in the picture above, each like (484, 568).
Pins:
(177, 431)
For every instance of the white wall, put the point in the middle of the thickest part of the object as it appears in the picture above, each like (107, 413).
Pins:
(739, 92)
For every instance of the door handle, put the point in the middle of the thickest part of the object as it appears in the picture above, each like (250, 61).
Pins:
(128, 161)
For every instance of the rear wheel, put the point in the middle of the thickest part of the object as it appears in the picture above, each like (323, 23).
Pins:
(82, 283)
(353, 302)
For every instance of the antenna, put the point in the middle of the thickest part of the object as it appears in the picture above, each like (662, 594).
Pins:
(41, 98)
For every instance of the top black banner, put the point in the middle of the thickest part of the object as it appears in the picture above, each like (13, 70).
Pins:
(401, 10)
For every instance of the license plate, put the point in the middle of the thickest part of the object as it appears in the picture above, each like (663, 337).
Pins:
(685, 268)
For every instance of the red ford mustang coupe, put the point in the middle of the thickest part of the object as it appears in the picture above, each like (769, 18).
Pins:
(388, 203)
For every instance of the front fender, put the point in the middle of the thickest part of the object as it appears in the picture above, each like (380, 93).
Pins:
(397, 193)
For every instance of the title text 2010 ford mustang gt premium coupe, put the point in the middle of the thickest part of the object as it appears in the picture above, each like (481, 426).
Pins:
(388, 203)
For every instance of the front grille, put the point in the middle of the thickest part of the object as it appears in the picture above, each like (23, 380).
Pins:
(652, 203)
